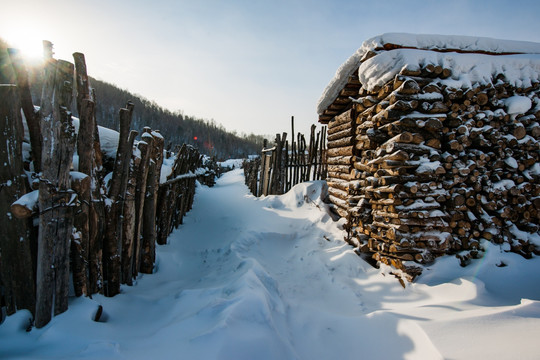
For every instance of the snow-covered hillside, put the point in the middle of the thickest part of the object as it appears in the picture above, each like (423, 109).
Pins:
(272, 278)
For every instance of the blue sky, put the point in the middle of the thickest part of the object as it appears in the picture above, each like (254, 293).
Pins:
(249, 65)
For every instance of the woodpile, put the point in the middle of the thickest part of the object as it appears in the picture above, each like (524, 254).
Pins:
(87, 220)
(420, 169)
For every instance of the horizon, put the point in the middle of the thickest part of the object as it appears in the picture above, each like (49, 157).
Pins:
(248, 66)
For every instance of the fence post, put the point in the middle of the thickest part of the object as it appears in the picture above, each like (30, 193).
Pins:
(56, 217)
(276, 167)
(16, 271)
(263, 167)
(282, 160)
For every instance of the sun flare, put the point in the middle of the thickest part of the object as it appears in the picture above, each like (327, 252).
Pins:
(27, 41)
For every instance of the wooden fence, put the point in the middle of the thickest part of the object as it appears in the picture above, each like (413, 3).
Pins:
(98, 224)
(285, 164)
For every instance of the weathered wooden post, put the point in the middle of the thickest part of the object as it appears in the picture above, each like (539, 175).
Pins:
(30, 113)
(282, 160)
(294, 155)
(287, 166)
(55, 197)
(165, 209)
(80, 246)
(311, 154)
(145, 147)
(301, 157)
(179, 188)
(80, 183)
(316, 162)
(162, 213)
(89, 152)
(112, 245)
(128, 226)
(16, 270)
(148, 236)
(321, 173)
(275, 165)
(150, 203)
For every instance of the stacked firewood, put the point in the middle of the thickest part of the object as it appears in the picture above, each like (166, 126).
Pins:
(340, 159)
(420, 169)
(491, 160)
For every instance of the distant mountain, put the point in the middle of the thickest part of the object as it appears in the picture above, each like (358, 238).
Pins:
(208, 136)
(211, 138)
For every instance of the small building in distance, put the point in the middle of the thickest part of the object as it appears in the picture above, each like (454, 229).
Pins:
(433, 147)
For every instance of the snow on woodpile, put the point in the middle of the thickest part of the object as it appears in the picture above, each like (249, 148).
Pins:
(433, 146)
(454, 54)
(467, 69)
(450, 43)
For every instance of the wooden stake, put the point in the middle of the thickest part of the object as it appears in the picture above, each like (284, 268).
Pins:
(55, 198)
(30, 113)
(16, 270)
(112, 246)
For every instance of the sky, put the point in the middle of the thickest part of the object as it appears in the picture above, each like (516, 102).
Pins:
(247, 65)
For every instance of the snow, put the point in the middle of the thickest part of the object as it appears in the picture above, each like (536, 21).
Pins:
(339, 81)
(108, 138)
(76, 175)
(511, 162)
(166, 168)
(517, 104)
(428, 167)
(232, 163)
(468, 68)
(28, 200)
(451, 42)
(272, 278)
(506, 184)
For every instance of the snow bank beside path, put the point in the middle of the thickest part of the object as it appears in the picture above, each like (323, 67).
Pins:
(232, 163)
(272, 278)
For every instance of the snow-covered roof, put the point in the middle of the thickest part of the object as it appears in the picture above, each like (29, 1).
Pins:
(463, 54)
(520, 70)
(451, 43)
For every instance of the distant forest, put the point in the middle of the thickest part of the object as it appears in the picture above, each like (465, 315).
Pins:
(208, 136)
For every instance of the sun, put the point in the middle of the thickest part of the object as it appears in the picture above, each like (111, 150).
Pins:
(27, 41)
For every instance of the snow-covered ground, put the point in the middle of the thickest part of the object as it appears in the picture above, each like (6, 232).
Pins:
(271, 278)
(232, 163)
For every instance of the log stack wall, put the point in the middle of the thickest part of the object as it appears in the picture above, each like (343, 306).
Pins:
(420, 169)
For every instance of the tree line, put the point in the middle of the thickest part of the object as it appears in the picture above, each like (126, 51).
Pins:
(208, 136)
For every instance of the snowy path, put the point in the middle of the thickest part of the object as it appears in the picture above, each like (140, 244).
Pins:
(271, 278)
